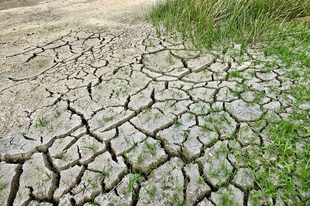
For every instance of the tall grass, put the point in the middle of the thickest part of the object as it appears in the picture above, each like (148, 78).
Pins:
(283, 34)
(211, 23)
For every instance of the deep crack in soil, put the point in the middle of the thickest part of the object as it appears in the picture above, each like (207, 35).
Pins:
(96, 108)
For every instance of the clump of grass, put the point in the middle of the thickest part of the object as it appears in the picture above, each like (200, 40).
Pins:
(292, 48)
(211, 23)
(41, 122)
(287, 176)
(291, 169)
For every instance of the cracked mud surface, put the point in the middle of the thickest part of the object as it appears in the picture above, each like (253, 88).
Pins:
(119, 116)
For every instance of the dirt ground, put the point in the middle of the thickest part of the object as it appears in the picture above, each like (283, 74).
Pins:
(97, 109)
(26, 23)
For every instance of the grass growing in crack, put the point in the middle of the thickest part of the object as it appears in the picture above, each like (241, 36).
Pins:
(227, 200)
(185, 134)
(176, 122)
(176, 201)
(146, 110)
(104, 172)
(258, 96)
(235, 74)
(62, 157)
(133, 181)
(179, 189)
(140, 158)
(201, 179)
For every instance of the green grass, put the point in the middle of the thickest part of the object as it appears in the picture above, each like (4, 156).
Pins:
(277, 30)
(41, 122)
(48, 176)
(3, 185)
(289, 175)
(213, 23)
(140, 158)
(151, 191)
(134, 181)
(151, 147)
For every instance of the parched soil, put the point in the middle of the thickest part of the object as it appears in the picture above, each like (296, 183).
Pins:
(95, 108)
(30, 23)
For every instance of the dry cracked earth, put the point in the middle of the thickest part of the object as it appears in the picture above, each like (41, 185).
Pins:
(124, 117)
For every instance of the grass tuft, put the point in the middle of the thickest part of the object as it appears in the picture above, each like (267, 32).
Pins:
(214, 23)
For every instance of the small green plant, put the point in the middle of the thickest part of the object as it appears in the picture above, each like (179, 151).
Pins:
(220, 151)
(201, 179)
(169, 59)
(176, 122)
(107, 119)
(140, 158)
(151, 191)
(151, 147)
(235, 74)
(165, 183)
(146, 110)
(117, 93)
(93, 202)
(90, 146)
(51, 128)
(126, 139)
(134, 144)
(3, 185)
(225, 199)
(48, 176)
(145, 59)
(104, 172)
(185, 134)
(126, 157)
(176, 201)
(179, 188)
(133, 180)
(191, 116)
(41, 122)
(62, 157)
(92, 182)
(57, 113)
(258, 96)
